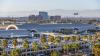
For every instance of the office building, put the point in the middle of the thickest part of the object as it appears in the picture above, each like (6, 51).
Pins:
(55, 17)
(31, 17)
(44, 15)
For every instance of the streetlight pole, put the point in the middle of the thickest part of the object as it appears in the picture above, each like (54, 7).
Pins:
(11, 35)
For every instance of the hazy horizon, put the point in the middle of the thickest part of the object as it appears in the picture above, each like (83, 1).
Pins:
(27, 7)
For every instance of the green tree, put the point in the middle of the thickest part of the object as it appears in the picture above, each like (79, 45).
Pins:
(77, 38)
(55, 53)
(5, 43)
(4, 54)
(43, 40)
(73, 38)
(66, 38)
(74, 46)
(15, 52)
(35, 46)
(96, 50)
(65, 48)
(51, 39)
(26, 45)
(15, 42)
(45, 46)
(85, 38)
(57, 40)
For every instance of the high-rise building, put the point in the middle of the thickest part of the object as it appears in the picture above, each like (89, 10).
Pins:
(31, 17)
(44, 15)
(39, 17)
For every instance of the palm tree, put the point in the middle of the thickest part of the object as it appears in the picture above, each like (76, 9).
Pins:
(35, 46)
(26, 45)
(57, 40)
(90, 37)
(66, 38)
(43, 39)
(15, 43)
(5, 45)
(51, 39)
(75, 46)
(54, 53)
(45, 46)
(4, 54)
(72, 45)
(96, 50)
(65, 48)
(15, 52)
(77, 38)
(85, 38)
(73, 38)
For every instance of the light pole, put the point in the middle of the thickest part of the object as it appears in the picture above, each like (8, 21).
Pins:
(11, 35)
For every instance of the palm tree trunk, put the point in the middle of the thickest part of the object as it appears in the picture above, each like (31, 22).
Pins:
(64, 51)
(4, 50)
(26, 52)
(67, 51)
(75, 51)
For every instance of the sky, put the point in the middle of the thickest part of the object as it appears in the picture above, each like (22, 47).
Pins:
(7, 6)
